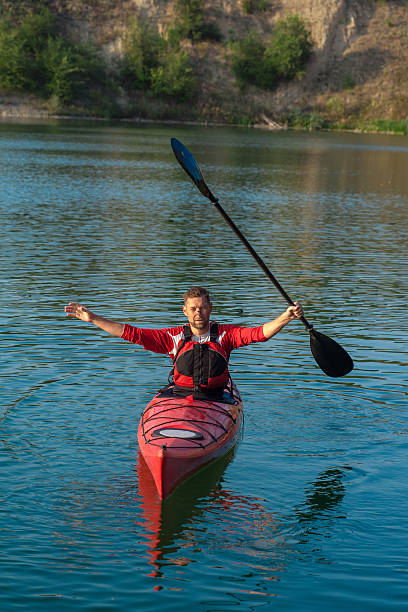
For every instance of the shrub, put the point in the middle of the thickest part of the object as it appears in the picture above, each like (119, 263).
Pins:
(249, 6)
(153, 65)
(32, 35)
(173, 78)
(59, 63)
(284, 56)
(70, 69)
(252, 6)
(21, 49)
(143, 47)
(306, 121)
(13, 61)
(34, 58)
(289, 48)
(388, 125)
(335, 108)
(348, 82)
(190, 23)
(247, 60)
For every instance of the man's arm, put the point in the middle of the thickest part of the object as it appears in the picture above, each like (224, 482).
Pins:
(84, 314)
(291, 313)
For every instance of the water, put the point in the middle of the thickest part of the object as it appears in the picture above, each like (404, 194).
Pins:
(310, 512)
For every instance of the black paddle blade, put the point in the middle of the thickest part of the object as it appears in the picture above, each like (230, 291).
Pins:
(189, 165)
(329, 355)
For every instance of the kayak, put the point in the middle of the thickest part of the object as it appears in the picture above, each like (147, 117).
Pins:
(179, 435)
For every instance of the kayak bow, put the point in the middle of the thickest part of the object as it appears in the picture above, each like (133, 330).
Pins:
(177, 436)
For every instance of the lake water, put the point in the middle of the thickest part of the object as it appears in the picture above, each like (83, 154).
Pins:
(310, 513)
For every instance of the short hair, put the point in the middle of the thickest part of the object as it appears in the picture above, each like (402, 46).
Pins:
(195, 292)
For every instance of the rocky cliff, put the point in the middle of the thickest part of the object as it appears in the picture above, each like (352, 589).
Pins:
(358, 71)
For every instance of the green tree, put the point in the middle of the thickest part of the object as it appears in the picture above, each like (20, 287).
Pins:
(21, 48)
(252, 6)
(247, 59)
(32, 36)
(289, 48)
(33, 57)
(284, 56)
(174, 77)
(13, 61)
(154, 65)
(191, 23)
(70, 69)
(143, 48)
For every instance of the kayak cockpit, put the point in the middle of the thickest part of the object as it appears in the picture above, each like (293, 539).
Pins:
(183, 434)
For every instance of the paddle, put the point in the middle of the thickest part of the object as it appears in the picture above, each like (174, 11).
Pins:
(329, 355)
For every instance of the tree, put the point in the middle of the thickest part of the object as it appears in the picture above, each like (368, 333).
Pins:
(174, 77)
(289, 48)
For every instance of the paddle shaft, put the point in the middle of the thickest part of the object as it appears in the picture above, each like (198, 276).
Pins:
(329, 355)
(255, 255)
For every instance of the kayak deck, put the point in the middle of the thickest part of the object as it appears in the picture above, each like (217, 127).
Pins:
(177, 436)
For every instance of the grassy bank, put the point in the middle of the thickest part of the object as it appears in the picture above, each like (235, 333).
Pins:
(315, 121)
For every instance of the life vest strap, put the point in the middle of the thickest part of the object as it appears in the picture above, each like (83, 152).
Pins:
(200, 352)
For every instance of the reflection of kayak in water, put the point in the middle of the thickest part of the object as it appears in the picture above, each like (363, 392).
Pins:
(165, 521)
(179, 435)
(204, 513)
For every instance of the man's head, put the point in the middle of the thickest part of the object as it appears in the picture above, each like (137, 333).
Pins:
(196, 292)
(197, 308)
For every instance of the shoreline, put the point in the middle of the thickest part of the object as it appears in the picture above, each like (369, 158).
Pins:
(27, 113)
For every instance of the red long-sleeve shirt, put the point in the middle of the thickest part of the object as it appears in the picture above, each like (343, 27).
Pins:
(166, 340)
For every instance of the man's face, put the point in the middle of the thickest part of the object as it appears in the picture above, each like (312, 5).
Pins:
(197, 311)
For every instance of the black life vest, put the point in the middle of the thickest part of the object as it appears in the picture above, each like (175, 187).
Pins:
(200, 365)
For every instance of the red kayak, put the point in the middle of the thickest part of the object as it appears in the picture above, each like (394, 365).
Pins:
(177, 436)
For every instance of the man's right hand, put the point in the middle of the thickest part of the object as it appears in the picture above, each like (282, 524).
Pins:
(80, 312)
(84, 314)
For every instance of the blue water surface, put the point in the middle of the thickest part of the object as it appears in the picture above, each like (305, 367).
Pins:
(308, 513)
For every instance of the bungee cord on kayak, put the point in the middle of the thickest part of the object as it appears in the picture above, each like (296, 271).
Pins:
(210, 421)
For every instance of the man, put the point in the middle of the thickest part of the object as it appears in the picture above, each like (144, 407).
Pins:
(200, 350)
